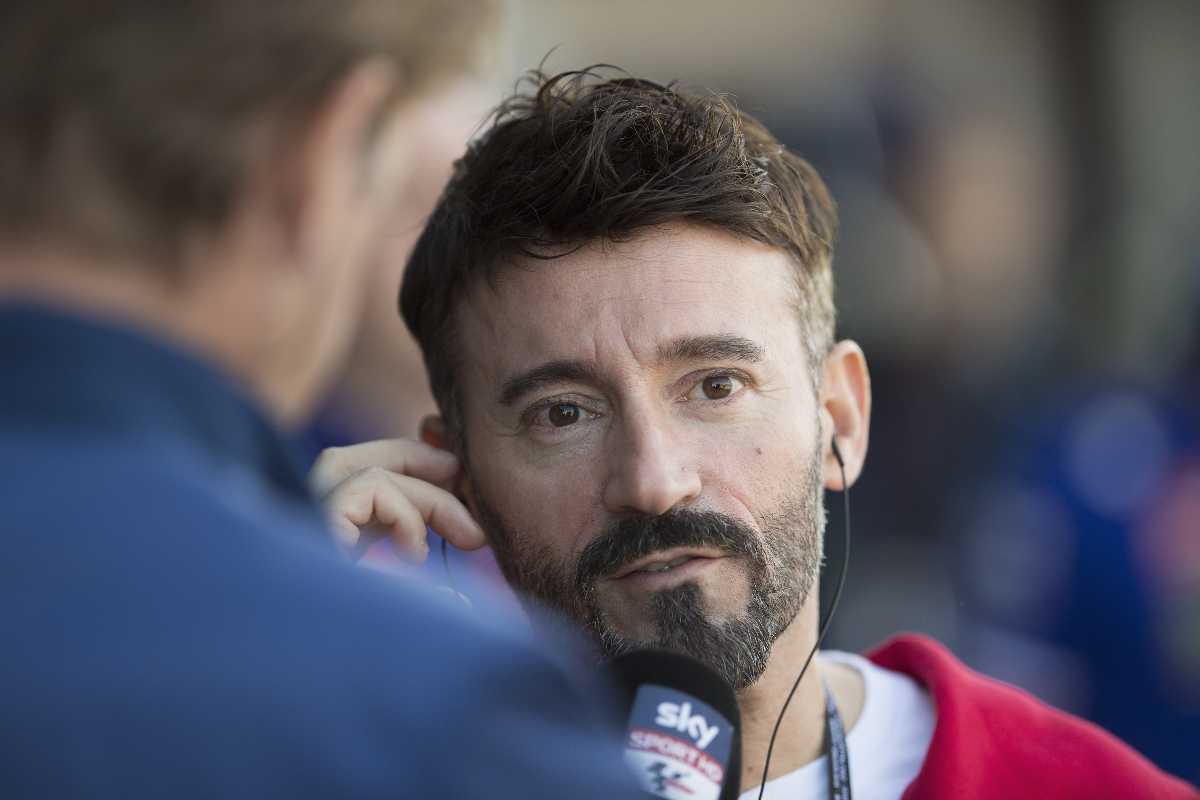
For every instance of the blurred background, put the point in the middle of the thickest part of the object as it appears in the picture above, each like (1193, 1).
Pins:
(1019, 187)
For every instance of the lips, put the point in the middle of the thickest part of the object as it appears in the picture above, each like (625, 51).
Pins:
(666, 566)
(665, 561)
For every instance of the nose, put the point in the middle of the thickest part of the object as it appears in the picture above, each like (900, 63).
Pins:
(649, 471)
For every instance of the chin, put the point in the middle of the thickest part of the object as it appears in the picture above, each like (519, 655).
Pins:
(736, 642)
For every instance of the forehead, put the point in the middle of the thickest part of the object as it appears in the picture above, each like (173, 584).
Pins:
(623, 300)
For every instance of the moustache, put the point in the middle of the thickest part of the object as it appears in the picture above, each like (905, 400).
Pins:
(632, 538)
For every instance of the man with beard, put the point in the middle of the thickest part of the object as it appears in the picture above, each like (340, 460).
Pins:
(625, 304)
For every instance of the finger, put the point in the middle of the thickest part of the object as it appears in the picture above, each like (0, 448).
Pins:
(370, 499)
(443, 512)
(358, 502)
(403, 456)
(407, 526)
(345, 531)
(351, 505)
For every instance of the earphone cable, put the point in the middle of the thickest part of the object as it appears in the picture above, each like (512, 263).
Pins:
(824, 628)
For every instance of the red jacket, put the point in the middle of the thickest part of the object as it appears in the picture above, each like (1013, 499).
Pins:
(995, 741)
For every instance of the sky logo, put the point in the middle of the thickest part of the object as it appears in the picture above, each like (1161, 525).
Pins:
(679, 716)
(678, 745)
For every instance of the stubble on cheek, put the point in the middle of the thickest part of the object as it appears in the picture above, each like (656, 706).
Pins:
(536, 572)
(626, 616)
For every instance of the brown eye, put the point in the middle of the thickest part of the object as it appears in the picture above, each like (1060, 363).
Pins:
(718, 387)
(563, 414)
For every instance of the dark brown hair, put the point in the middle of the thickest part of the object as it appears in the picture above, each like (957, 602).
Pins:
(580, 157)
(125, 122)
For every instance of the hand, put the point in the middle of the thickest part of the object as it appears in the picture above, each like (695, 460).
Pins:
(398, 484)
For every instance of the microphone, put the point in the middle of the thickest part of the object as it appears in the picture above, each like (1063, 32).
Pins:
(683, 739)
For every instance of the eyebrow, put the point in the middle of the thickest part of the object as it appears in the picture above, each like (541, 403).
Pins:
(549, 373)
(719, 347)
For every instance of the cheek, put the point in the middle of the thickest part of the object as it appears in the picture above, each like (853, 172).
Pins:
(555, 509)
(762, 468)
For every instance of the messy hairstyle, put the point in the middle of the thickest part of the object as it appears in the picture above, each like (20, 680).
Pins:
(124, 124)
(588, 156)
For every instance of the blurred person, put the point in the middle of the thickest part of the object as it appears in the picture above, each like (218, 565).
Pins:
(625, 304)
(381, 390)
(190, 193)
(1082, 560)
(1081, 567)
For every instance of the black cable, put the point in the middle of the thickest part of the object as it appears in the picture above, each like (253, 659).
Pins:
(824, 627)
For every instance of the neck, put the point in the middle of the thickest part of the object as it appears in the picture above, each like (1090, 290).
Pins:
(134, 295)
(801, 737)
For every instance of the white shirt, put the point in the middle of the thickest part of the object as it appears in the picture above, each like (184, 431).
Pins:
(887, 744)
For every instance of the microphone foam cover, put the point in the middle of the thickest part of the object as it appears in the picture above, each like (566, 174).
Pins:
(676, 671)
(684, 741)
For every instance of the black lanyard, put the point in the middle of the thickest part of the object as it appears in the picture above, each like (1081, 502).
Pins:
(839, 755)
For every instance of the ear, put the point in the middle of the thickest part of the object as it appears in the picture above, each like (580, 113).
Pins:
(325, 172)
(433, 433)
(845, 413)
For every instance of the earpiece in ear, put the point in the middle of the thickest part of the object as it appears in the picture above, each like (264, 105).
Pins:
(837, 454)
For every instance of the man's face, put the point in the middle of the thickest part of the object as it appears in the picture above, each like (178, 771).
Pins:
(642, 440)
